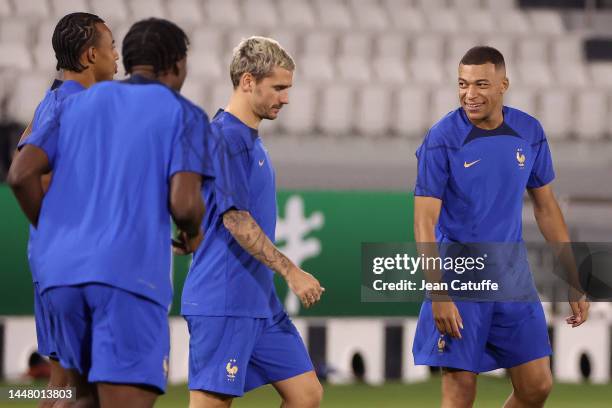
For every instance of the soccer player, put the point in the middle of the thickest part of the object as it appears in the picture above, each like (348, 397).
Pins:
(240, 336)
(85, 52)
(473, 168)
(125, 156)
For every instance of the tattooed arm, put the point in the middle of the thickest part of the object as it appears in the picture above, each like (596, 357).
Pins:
(251, 237)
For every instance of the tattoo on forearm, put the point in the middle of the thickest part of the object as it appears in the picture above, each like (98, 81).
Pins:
(252, 238)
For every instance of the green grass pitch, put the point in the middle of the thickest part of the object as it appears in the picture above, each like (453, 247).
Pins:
(491, 393)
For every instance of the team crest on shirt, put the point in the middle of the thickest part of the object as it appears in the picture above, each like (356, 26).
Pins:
(441, 344)
(520, 158)
(232, 369)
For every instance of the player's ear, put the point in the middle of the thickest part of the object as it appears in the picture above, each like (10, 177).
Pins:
(91, 55)
(505, 85)
(247, 81)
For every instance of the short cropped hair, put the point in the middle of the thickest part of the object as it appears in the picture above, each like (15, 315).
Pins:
(483, 54)
(73, 34)
(156, 42)
(258, 56)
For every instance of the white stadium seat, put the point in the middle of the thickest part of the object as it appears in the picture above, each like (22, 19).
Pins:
(601, 73)
(298, 117)
(187, 12)
(535, 74)
(355, 69)
(194, 89)
(407, 19)
(522, 98)
(62, 7)
(555, 113)
(431, 4)
(356, 44)
(504, 44)
(547, 22)
(571, 74)
(319, 43)
(44, 57)
(428, 72)
(500, 5)
(444, 100)
(115, 11)
(478, 21)
(391, 45)
(411, 115)
(458, 45)
(296, 14)
(222, 13)
(29, 90)
(390, 70)
(32, 8)
(513, 22)
(15, 56)
(333, 14)
(443, 20)
(141, 9)
(369, 15)
(372, 115)
(5, 8)
(336, 109)
(428, 46)
(567, 49)
(591, 118)
(16, 30)
(218, 97)
(288, 39)
(260, 13)
(206, 65)
(317, 68)
(533, 49)
(207, 39)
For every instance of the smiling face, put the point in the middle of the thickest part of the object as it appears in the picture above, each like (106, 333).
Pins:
(481, 90)
(270, 93)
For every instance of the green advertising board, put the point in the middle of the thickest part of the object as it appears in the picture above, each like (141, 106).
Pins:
(322, 231)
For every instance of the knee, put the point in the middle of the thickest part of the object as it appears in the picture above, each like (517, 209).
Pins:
(460, 391)
(308, 397)
(535, 393)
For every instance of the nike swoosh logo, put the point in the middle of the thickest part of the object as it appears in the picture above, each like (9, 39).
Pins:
(470, 164)
(261, 162)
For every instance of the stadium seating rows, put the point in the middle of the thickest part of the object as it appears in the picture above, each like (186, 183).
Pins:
(374, 67)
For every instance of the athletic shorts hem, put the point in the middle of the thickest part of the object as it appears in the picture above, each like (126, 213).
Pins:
(217, 390)
(284, 377)
(161, 389)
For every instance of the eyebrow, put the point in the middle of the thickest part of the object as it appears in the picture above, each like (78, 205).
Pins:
(474, 81)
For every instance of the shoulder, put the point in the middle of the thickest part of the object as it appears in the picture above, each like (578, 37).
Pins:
(449, 131)
(230, 134)
(524, 124)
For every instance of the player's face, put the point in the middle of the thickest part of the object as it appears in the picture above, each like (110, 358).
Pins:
(481, 89)
(105, 54)
(271, 93)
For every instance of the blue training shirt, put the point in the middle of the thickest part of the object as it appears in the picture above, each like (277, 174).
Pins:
(106, 216)
(44, 111)
(481, 175)
(224, 279)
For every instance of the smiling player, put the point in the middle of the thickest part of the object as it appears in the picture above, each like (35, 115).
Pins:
(473, 169)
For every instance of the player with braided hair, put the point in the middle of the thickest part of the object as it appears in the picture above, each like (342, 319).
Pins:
(128, 155)
(85, 53)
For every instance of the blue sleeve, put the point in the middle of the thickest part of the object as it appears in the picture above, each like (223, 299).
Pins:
(542, 171)
(432, 168)
(189, 150)
(45, 136)
(231, 167)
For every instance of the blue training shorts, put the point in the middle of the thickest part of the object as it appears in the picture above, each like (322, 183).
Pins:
(46, 345)
(112, 335)
(233, 355)
(495, 335)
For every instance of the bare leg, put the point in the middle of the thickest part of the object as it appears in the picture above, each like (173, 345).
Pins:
(301, 391)
(86, 393)
(126, 396)
(203, 399)
(531, 383)
(58, 379)
(458, 388)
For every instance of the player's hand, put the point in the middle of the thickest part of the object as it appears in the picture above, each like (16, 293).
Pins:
(580, 308)
(305, 286)
(447, 317)
(184, 245)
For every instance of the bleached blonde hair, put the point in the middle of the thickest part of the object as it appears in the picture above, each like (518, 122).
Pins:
(258, 56)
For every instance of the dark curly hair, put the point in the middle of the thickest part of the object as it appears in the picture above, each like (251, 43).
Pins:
(73, 34)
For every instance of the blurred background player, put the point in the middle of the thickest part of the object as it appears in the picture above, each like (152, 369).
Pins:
(493, 152)
(240, 336)
(128, 155)
(85, 53)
